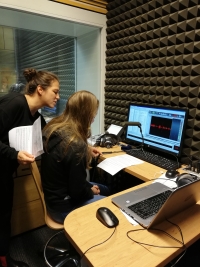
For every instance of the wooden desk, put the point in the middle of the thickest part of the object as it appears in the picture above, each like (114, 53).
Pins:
(144, 171)
(84, 231)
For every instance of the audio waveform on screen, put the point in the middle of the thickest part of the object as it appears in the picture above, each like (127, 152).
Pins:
(161, 127)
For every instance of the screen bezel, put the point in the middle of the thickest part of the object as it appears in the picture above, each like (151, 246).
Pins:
(151, 147)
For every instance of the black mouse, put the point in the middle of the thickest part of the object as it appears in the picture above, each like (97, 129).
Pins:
(185, 178)
(107, 217)
(172, 173)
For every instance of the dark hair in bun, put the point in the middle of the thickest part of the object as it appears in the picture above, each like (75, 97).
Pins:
(29, 74)
(35, 78)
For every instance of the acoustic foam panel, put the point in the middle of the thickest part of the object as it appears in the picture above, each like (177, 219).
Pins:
(153, 57)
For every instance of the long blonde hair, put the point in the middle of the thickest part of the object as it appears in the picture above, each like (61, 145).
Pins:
(73, 125)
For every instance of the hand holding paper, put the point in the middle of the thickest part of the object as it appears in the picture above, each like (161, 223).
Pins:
(24, 157)
(27, 139)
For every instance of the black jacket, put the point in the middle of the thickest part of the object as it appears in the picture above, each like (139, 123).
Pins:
(14, 112)
(64, 175)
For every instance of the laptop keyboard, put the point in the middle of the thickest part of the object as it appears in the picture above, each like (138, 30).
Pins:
(150, 206)
(154, 159)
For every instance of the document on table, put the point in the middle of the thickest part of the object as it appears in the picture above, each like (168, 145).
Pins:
(27, 138)
(166, 181)
(115, 164)
(131, 220)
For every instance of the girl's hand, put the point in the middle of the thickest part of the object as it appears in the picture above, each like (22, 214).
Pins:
(95, 152)
(95, 190)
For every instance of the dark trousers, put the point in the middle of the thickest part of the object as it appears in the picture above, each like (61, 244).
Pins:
(6, 203)
(60, 216)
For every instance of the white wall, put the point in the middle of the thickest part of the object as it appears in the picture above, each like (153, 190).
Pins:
(76, 22)
(88, 68)
(53, 9)
(31, 21)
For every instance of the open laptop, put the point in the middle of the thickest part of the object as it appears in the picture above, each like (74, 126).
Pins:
(177, 200)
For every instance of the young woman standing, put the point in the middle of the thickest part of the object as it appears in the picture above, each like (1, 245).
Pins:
(42, 89)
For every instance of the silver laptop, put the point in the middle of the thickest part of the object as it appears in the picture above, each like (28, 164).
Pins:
(135, 203)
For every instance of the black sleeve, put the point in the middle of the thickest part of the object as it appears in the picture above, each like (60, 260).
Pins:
(43, 122)
(75, 167)
(5, 150)
(8, 152)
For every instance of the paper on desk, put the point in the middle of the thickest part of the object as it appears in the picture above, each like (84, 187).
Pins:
(115, 164)
(166, 181)
(27, 138)
(131, 220)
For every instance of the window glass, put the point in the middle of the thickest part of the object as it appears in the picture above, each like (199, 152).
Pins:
(20, 49)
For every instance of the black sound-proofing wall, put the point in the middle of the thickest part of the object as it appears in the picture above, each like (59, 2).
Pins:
(153, 56)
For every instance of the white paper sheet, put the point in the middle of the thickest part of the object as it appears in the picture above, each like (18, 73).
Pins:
(37, 145)
(166, 181)
(27, 138)
(115, 164)
(129, 218)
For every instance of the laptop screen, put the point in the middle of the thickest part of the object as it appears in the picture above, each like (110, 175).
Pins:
(162, 127)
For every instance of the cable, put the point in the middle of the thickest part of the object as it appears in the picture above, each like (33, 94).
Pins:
(99, 243)
(182, 242)
(174, 264)
(141, 243)
(142, 145)
(141, 135)
(176, 159)
(190, 158)
(156, 229)
(139, 147)
(62, 252)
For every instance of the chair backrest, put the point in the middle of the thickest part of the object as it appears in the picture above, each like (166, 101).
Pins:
(37, 178)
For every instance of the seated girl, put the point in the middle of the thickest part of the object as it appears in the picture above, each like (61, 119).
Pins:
(67, 157)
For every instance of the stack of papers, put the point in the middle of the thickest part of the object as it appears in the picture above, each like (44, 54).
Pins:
(27, 138)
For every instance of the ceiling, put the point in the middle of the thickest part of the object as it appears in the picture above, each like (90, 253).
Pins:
(98, 6)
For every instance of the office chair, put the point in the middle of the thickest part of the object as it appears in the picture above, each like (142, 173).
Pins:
(58, 253)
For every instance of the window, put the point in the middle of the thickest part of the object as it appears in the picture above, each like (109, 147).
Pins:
(87, 52)
(42, 51)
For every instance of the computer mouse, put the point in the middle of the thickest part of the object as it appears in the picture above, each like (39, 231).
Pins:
(172, 173)
(185, 178)
(107, 217)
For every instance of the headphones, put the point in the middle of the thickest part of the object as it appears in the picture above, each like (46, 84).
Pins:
(185, 178)
(107, 140)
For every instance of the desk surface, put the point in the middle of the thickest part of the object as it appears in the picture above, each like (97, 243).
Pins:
(144, 171)
(84, 231)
